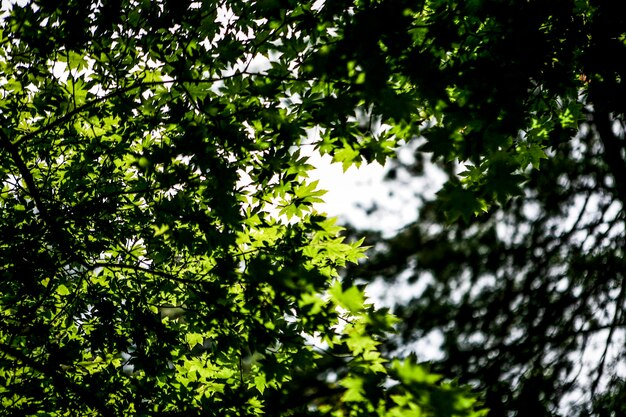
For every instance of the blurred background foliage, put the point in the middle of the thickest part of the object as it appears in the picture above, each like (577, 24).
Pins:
(527, 295)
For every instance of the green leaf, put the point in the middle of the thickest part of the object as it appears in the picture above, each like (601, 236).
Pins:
(260, 383)
(351, 299)
(354, 389)
(459, 202)
(194, 339)
(62, 290)
(347, 156)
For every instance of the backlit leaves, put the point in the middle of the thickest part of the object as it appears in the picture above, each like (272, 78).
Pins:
(161, 249)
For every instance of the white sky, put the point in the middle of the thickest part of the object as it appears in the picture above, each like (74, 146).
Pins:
(351, 192)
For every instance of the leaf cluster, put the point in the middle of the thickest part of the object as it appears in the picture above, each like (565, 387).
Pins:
(161, 253)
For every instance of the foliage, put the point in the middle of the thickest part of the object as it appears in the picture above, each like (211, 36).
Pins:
(528, 294)
(490, 84)
(160, 250)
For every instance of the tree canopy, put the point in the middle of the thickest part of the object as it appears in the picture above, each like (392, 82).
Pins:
(520, 258)
(160, 250)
